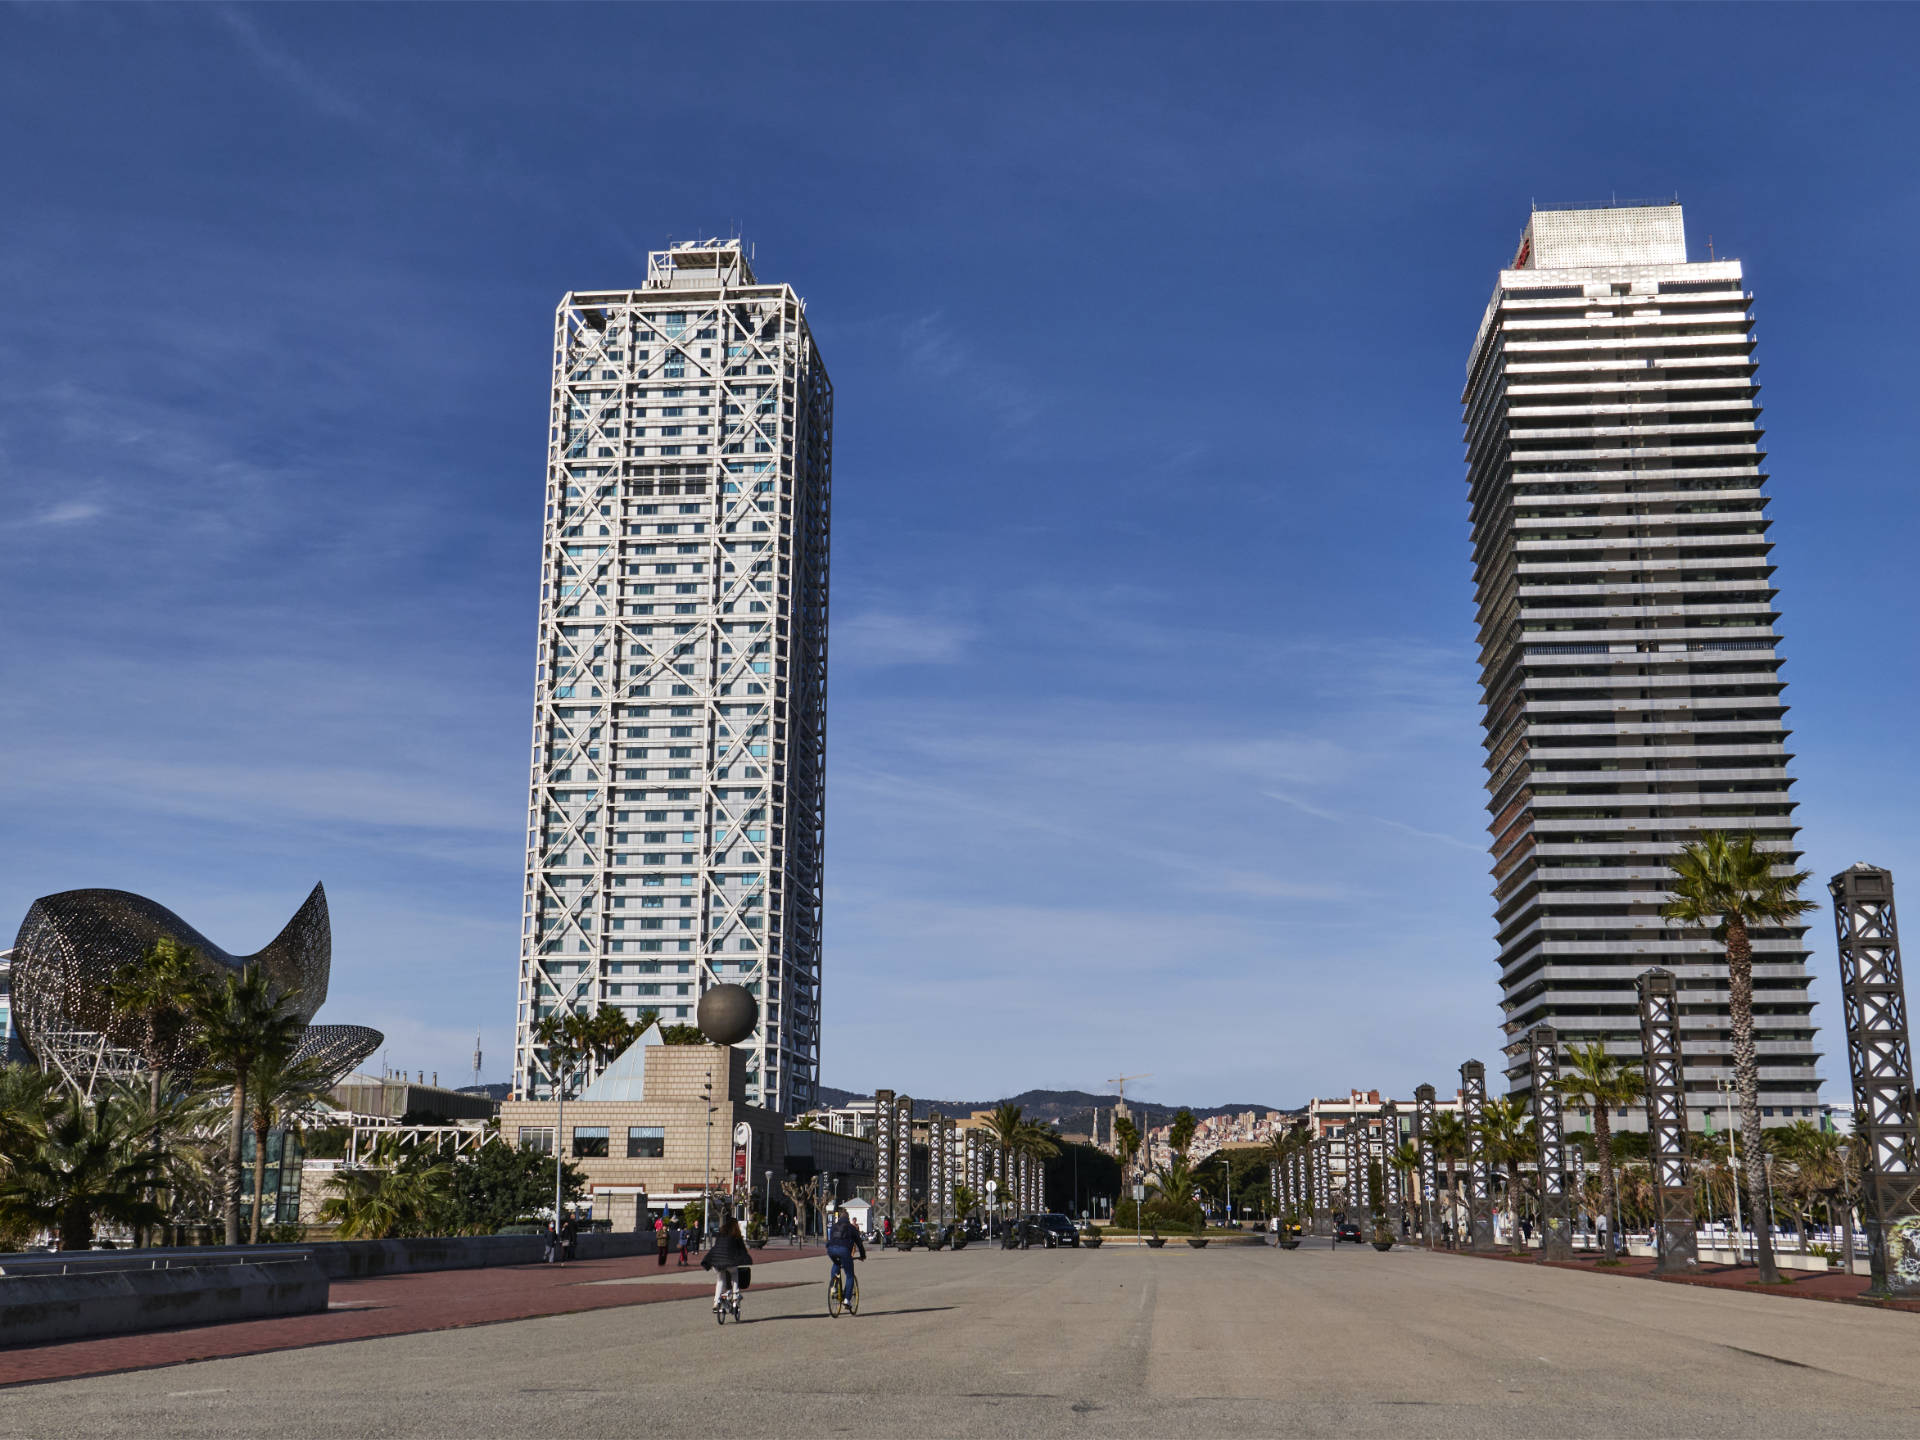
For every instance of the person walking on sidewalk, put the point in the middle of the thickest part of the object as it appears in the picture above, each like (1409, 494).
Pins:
(660, 1238)
(686, 1239)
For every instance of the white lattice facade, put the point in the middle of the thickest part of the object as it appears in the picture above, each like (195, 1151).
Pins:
(675, 815)
(1630, 660)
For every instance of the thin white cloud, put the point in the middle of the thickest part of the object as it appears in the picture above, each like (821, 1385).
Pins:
(878, 638)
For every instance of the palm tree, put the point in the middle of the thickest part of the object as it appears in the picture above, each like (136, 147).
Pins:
(158, 992)
(280, 1085)
(1004, 1125)
(1594, 1078)
(1126, 1141)
(1451, 1145)
(1406, 1159)
(1506, 1131)
(242, 1019)
(388, 1199)
(90, 1165)
(1726, 885)
(28, 1100)
(1174, 1180)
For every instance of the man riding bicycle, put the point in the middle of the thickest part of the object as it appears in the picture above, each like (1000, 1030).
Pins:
(842, 1240)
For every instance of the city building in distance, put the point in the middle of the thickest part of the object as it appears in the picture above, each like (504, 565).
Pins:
(675, 813)
(1629, 658)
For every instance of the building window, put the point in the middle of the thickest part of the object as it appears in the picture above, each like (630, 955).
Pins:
(646, 1142)
(589, 1142)
(537, 1138)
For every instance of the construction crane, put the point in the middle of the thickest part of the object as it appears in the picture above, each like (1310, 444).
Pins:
(1121, 1081)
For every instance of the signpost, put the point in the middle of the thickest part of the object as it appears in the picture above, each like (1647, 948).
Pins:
(1139, 1194)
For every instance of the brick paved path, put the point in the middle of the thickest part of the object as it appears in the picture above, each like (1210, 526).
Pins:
(391, 1305)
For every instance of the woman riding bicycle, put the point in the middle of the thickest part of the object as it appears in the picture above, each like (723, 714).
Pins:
(727, 1258)
(842, 1240)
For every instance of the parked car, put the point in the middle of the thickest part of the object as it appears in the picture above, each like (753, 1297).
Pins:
(1346, 1230)
(1058, 1231)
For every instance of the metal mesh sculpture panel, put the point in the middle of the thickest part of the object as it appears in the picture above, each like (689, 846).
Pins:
(903, 1157)
(1389, 1167)
(1549, 1136)
(71, 945)
(1666, 1097)
(1880, 1058)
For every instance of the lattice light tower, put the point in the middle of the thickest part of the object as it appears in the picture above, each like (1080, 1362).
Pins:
(1424, 1114)
(1666, 1101)
(675, 814)
(1322, 1185)
(1473, 1101)
(1549, 1134)
(1873, 995)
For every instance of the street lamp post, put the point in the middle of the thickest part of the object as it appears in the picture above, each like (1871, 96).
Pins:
(706, 1195)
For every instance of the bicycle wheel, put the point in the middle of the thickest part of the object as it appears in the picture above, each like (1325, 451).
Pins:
(853, 1299)
(834, 1297)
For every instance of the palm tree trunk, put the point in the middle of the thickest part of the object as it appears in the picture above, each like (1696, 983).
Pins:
(1603, 1147)
(260, 1132)
(233, 1160)
(1513, 1208)
(1746, 1072)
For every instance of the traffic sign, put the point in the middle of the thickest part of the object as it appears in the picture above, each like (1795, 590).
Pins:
(1139, 1191)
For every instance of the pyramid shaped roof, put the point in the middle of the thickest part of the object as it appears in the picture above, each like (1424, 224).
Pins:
(622, 1080)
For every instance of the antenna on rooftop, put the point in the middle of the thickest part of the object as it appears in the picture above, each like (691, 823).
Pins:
(476, 1059)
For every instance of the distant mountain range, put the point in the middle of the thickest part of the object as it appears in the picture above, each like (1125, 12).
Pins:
(1070, 1110)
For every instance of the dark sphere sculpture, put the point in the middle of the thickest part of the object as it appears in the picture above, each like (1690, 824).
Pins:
(727, 1014)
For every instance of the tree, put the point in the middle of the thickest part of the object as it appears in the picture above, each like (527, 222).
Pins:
(242, 1019)
(1506, 1132)
(1180, 1133)
(1406, 1159)
(1004, 1125)
(1593, 1078)
(965, 1202)
(1126, 1141)
(1451, 1145)
(387, 1203)
(1727, 885)
(496, 1185)
(280, 1085)
(159, 992)
(682, 1035)
(92, 1164)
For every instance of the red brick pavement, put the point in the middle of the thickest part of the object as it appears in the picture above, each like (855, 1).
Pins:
(386, 1305)
(1801, 1284)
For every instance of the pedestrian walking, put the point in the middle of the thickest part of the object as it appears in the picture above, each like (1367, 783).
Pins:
(660, 1238)
(686, 1239)
(886, 1233)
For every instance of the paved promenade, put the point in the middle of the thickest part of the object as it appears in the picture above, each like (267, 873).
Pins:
(1044, 1343)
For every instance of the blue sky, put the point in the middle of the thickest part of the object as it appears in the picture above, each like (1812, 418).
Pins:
(1154, 732)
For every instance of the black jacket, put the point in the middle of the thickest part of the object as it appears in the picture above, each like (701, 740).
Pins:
(729, 1252)
(845, 1235)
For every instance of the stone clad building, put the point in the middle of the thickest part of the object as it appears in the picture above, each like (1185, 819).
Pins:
(641, 1128)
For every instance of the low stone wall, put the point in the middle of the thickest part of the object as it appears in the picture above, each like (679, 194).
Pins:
(338, 1259)
(36, 1309)
(357, 1259)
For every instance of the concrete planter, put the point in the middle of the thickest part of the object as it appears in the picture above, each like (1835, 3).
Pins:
(1289, 1244)
(1382, 1244)
(1198, 1242)
(1155, 1242)
(1092, 1242)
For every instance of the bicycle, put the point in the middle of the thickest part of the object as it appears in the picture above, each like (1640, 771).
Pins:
(728, 1304)
(839, 1296)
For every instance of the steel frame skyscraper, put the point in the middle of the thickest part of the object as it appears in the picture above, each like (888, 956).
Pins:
(1629, 659)
(675, 814)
